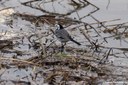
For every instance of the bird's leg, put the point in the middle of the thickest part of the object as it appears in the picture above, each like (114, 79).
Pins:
(62, 47)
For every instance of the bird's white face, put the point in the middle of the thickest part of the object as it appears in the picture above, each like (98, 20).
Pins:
(57, 26)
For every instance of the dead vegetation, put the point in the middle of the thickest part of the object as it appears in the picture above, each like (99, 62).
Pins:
(79, 66)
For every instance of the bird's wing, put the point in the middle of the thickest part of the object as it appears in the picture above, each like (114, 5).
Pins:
(62, 34)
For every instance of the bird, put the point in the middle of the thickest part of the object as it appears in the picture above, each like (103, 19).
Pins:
(63, 36)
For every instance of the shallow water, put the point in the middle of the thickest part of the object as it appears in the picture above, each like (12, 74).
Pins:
(116, 10)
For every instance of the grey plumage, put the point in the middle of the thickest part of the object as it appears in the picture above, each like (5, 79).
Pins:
(63, 35)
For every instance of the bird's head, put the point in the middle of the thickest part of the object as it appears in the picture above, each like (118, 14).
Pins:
(59, 26)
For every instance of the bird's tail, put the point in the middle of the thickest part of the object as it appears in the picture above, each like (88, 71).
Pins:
(75, 41)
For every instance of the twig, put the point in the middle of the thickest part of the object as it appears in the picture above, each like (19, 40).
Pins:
(108, 4)
(104, 21)
(19, 60)
(86, 36)
(98, 22)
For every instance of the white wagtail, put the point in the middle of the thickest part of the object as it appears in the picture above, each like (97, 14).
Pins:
(63, 36)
